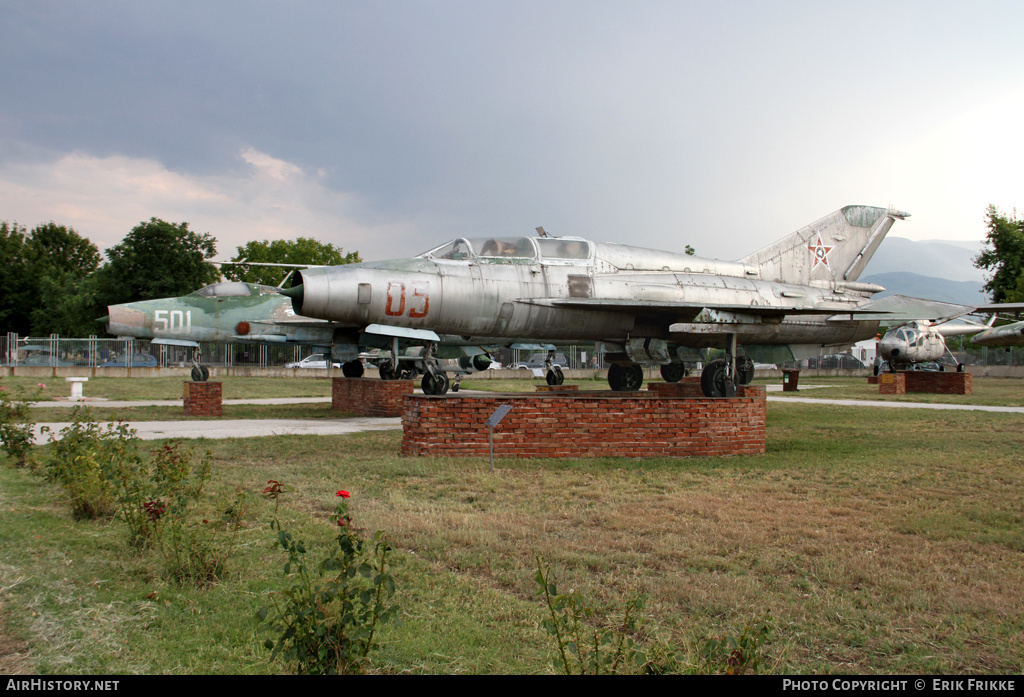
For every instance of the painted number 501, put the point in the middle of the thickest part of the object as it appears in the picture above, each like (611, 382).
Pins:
(172, 320)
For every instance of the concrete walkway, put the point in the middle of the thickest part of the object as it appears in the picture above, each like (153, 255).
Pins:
(245, 428)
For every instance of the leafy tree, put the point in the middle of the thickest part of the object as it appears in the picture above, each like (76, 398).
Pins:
(303, 251)
(15, 295)
(157, 259)
(47, 284)
(55, 249)
(1004, 257)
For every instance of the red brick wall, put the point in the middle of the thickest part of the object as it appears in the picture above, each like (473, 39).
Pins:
(587, 424)
(892, 383)
(687, 387)
(935, 382)
(203, 399)
(369, 396)
(948, 382)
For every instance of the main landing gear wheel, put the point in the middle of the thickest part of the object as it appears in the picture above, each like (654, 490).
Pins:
(200, 374)
(713, 378)
(673, 372)
(959, 367)
(555, 376)
(625, 378)
(744, 370)
(435, 384)
(352, 369)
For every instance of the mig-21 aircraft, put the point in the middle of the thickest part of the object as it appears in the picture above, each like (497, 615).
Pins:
(787, 301)
(226, 312)
(237, 312)
(1008, 335)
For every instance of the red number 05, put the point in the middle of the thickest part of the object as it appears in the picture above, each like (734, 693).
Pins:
(419, 302)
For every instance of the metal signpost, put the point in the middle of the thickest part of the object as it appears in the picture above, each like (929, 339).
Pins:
(493, 421)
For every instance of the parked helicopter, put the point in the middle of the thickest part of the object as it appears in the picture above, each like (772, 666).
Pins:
(645, 307)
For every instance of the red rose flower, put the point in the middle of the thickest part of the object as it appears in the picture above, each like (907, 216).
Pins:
(343, 494)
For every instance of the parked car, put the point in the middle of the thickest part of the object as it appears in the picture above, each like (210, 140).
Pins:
(316, 360)
(836, 361)
(39, 356)
(536, 360)
(138, 360)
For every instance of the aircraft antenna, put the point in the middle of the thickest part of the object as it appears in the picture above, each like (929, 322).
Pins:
(541, 232)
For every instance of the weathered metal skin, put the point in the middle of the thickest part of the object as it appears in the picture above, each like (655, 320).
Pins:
(562, 289)
(223, 313)
(1007, 335)
(914, 343)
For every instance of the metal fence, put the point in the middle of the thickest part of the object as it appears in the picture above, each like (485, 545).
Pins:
(56, 352)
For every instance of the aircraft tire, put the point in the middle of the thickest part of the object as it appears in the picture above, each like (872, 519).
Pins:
(200, 374)
(673, 372)
(959, 367)
(387, 370)
(555, 376)
(712, 378)
(435, 384)
(744, 370)
(625, 378)
(352, 369)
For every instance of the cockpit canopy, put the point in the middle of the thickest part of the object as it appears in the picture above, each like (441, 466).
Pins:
(511, 249)
(233, 289)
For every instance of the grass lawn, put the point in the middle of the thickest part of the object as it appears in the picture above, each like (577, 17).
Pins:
(874, 544)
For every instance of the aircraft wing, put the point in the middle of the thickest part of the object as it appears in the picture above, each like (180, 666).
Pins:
(295, 321)
(902, 308)
(686, 311)
(1015, 308)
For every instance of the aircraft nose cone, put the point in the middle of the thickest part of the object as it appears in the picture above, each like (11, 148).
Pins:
(297, 294)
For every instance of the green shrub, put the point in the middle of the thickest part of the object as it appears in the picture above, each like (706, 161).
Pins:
(326, 619)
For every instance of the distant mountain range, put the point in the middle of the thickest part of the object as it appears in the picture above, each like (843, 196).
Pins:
(935, 269)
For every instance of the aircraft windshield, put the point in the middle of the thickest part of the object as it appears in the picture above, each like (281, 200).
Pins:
(487, 247)
(228, 289)
(564, 249)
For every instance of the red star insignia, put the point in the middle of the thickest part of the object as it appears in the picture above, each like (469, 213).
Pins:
(820, 252)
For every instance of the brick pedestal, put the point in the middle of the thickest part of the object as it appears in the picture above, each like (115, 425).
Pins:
(587, 424)
(369, 396)
(687, 387)
(203, 399)
(557, 388)
(892, 383)
(933, 382)
(940, 382)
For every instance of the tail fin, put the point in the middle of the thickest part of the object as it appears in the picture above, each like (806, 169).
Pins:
(833, 249)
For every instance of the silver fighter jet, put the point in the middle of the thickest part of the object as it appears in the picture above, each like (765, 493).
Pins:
(787, 301)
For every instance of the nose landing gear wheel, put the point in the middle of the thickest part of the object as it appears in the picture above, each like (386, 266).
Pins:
(713, 378)
(625, 378)
(744, 370)
(555, 376)
(673, 372)
(200, 374)
(387, 370)
(435, 384)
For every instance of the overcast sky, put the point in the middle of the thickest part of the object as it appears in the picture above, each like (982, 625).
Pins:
(390, 127)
